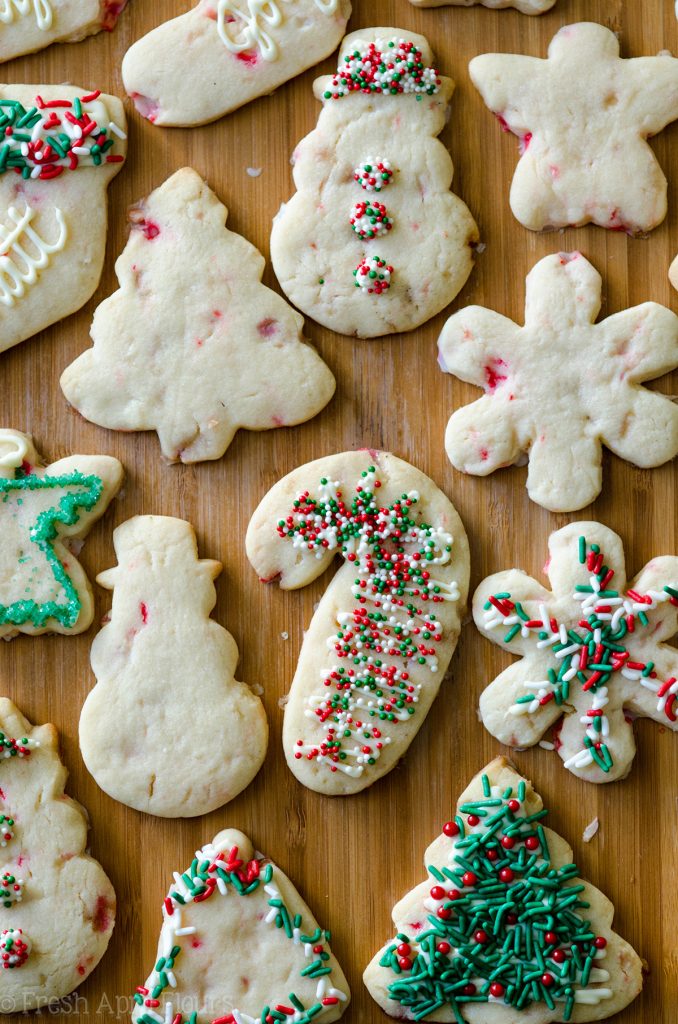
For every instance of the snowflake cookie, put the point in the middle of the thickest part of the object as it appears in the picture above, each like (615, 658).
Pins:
(239, 946)
(57, 907)
(524, 6)
(583, 117)
(561, 386)
(377, 132)
(43, 510)
(381, 640)
(30, 25)
(160, 649)
(225, 53)
(208, 348)
(510, 930)
(593, 648)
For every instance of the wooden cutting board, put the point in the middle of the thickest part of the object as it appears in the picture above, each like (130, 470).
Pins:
(354, 858)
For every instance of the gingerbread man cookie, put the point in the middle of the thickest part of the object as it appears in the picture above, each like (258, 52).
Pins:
(226, 53)
(43, 510)
(583, 117)
(29, 25)
(510, 931)
(374, 241)
(561, 386)
(592, 648)
(208, 348)
(379, 644)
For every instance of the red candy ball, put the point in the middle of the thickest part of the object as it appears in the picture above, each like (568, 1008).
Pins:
(481, 936)
(600, 942)
(444, 948)
(511, 919)
(547, 980)
(404, 949)
(551, 938)
(444, 913)
(469, 990)
(450, 829)
(492, 854)
(473, 819)
(468, 878)
(506, 875)
(532, 843)
(405, 963)
(496, 990)
(514, 805)
(453, 894)
(559, 955)
(437, 892)
(508, 842)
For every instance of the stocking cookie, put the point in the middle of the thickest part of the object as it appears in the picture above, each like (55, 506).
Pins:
(561, 386)
(592, 648)
(57, 907)
(239, 945)
(503, 928)
(159, 653)
(43, 512)
(586, 160)
(381, 640)
(29, 25)
(59, 151)
(524, 6)
(359, 266)
(226, 53)
(208, 348)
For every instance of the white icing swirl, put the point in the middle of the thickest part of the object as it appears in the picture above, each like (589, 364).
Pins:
(251, 26)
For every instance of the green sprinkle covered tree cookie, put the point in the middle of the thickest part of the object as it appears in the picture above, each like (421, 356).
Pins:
(503, 929)
(239, 946)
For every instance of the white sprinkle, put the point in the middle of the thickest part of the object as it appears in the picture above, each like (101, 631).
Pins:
(254, 172)
(590, 830)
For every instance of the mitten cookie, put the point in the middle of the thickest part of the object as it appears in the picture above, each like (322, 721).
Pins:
(224, 53)
(592, 648)
(238, 945)
(208, 348)
(29, 25)
(561, 386)
(584, 159)
(374, 241)
(381, 640)
(44, 511)
(59, 151)
(57, 907)
(503, 929)
(159, 654)
(524, 6)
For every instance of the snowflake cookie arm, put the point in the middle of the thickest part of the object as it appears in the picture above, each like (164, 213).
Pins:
(565, 470)
(652, 102)
(473, 345)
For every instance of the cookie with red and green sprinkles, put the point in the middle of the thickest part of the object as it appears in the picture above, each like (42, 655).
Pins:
(238, 945)
(503, 928)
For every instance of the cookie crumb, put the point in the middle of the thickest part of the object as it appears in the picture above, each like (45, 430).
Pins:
(590, 830)
(254, 172)
(285, 635)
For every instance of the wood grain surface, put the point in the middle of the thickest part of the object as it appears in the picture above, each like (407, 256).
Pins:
(354, 858)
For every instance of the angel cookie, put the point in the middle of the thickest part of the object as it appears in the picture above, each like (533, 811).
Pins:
(43, 511)
(381, 640)
(592, 649)
(510, 931)
(57, 907)
(239, 946)
(585, 160)
(374, 241)
(225, 53)
(29, 25)
(561, 386)
(208, 348)
(60, 148)
(159, 654)
(524, 6)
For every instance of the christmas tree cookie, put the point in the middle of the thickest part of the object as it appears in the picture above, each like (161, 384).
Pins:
(208, 348)
(377, 132)
(586, 160)
(239, 946)
(29, 25)
(44, 512)
(594, 651)
(61, 147)
(503, 929)
(158, 655)
(224, 53)
(561, 386)
(57, 907)
(524, 6)
(381, 640)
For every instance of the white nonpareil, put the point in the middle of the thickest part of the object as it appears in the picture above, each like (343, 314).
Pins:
(252, 27)
(19, 268)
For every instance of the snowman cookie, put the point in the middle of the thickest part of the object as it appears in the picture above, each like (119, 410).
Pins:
(44, 511)
(225, 53)
(238, 945)
(159, 653)
(57, 907)
(524, 6)
(29, 25)
(382, 636)
(61, 147)
(374, 242)
(208, 348)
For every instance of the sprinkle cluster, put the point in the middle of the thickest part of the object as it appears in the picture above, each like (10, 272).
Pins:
(388, 67)
(504, 924)
(15, 948)
(11, 747)
(391, 626)
(52, 137)
(373, 175)
(373, 275)
(11, 889)
(224, 872)
(6, 829)
(370, 220)
(590, 653)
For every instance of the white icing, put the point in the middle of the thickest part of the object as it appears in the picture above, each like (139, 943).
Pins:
(42, 9)
(251, 27)
(18, 448)
(13, 277)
